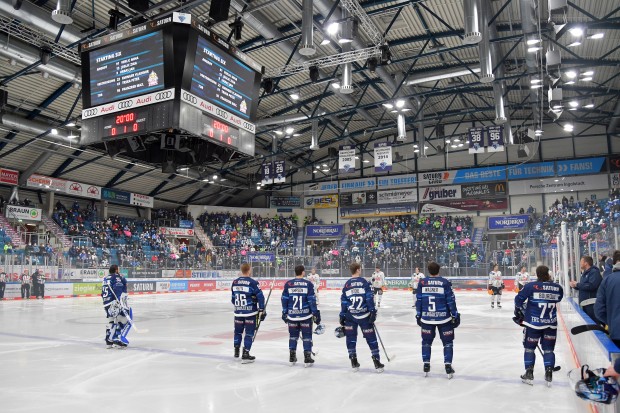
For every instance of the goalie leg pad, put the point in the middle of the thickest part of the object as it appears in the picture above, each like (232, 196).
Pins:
(294, 329)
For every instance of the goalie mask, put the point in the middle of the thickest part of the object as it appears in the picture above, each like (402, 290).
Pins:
(590, 385)
(339, 332)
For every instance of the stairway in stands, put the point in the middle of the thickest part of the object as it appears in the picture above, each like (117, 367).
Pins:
(476, 239)
(202, 237)
(55, 229)
(299, 241)
(16, 240)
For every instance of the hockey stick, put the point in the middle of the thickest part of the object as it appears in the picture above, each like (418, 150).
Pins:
(587, 327)
(556, 368)
(382, 346)
(139, 331)
(258, 322)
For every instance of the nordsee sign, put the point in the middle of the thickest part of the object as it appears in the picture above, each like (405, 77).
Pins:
(324, 231)
(508, 222)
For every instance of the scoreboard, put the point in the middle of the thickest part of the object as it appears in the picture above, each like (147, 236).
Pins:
(169, 77)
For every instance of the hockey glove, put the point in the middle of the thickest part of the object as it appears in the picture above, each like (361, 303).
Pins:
(262, 315)
(490, 291)
(372, 317)
(418, 320)
(285, 317)
(317, 317)
(342, 320)
(456, 321)
(519, 317)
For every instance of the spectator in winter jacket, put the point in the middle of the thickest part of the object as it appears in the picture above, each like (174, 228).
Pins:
(607, 307)
(588, 285)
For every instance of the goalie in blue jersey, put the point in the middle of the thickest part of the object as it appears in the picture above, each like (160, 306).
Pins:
(118, 312)
(536, 311)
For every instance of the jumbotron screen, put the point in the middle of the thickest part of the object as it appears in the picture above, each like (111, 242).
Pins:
(128, 68)
(223, 80)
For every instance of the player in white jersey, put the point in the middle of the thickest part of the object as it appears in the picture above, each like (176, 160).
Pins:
(315, 279)
(495, 287)
(26, 280)
(415, 279)
(378, 282)
(522, 278)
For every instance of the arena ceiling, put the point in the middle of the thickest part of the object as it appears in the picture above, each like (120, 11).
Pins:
(425, 40)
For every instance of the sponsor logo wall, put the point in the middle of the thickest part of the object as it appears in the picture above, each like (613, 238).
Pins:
(508, 222)
(551, 185)
(23, 213)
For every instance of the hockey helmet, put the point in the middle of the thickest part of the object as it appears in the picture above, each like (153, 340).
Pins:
(339, 332)
(590, 385)
(320, 329)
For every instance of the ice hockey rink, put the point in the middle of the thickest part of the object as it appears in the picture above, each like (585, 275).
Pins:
(53, 359)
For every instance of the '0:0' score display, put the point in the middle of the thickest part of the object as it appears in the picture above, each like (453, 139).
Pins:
(126, 123)
(220, 132)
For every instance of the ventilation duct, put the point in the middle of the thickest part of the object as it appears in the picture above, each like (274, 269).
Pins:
(281, 120)
(314, 140)
(37, 128)
(484, 48)
(529, 29)
(500, 110)
(471, 11)
(347, 82)
(62, 14)
(401, 129)
(36, 17)
(440, 74)
(307, 40)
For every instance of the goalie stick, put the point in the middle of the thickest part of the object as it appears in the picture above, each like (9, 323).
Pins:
(126, 312)
(258, 323)
(587, 327)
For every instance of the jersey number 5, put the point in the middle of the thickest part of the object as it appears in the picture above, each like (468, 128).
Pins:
(431, 304)
(105, 291)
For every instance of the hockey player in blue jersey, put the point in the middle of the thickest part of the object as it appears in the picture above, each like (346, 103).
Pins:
(536, 310)
(249, 303)
(298, 311)
(118, 312)
(436, 310)
(358, 309)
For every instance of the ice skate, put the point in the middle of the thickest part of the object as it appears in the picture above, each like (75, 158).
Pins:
(292, 358)
(246, 358)
(427, 369)
(528, 377)
(308, 361)
(237, 351)
(492, 305)
(548, 375)
(499, 305)
(109, 344)
(354, 364)
(449, 371)
(378, 366)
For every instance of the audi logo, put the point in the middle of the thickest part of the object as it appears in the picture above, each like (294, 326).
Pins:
(189, 98)
(164, 95)
(222, 114)
(126, 104)
(90, 112)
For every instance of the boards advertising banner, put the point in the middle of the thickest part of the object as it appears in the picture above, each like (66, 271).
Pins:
(397, 181)
(162, 286)
(87, 288)
(325, 231)
(23, 213)
(321, 201)
(346, 159)
(200, 285)
(508, 222)
(82, 273)
(495, 138)
(464, 205)
(144, 273)
(285, 201)
(383, 157)
(586, 166)
(321, 188)
(476, 140)
(141, 286)
(399, 196)
(253, 256)
(118, 197)
(440, 193)
(356, 185)
(531, 170)
(463, 176)
(279, 168)
(484, 191)
(378, 210)
(206, 274)
(177, 285)
(9, 176)
(142, 200)
(266, 173)
(564, 184)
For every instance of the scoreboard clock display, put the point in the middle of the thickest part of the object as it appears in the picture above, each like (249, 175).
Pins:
(125, 123)
(220, 132)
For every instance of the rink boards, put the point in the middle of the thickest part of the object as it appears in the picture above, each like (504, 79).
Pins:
(175, 285)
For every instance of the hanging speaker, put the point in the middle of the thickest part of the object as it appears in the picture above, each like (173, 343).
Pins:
(219, 10)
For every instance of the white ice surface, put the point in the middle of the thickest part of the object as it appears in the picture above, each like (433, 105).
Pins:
(53, 359)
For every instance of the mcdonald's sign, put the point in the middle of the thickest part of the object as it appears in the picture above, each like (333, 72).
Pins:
(485, 191)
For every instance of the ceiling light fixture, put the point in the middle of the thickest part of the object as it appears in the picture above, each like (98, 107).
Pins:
(586, 79)
(588, 73)
(533, 49)
(596, 36)
(573, 103)
(289, 130)
(574, 44)
(333, 28)
(576, 31)
(388, 105)
(400, 103)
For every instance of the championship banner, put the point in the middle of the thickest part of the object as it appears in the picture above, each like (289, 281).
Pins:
(346, 159)
(383, 157)
(495, 136)
(321, 201)
(9, 176)
(476, 140)
(25, 213)
(266, 172)
(465, 205)
(484, 191)
(400, 196)
(280, 172)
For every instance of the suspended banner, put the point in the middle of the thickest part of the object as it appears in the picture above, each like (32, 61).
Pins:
(279, 170)
(142, 200)
(383, 157)
(9, 176)
(401, 196)
(346, 159)
(47, 183)
(378, 211)
(321, 188)
(495, 136)
(476, 140)
(325, 231)
(118, 197)
(321, 201)
(266, 173)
